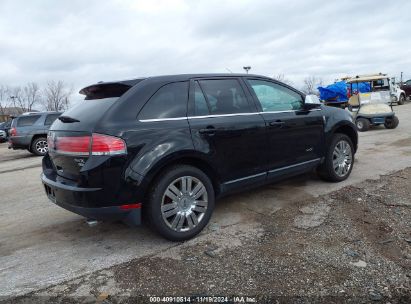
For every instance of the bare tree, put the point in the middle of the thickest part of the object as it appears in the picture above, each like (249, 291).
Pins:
(281, 77)
(31, 95)
(4, 98)
(57, 96)
(25, 97)
(311, 83)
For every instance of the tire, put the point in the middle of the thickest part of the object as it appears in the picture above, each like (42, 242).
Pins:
(328, 170)
(187, 218)
(401, 101)
(362, 124)
(391, 122)
(39, 146)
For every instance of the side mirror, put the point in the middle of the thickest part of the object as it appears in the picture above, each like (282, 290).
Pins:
(312, 100)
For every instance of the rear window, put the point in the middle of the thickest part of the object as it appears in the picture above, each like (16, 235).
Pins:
(26, 121)
(50, 119)
(90, 110)
(98, 99)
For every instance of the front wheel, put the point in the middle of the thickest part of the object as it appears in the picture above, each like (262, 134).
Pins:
(39, 146)
(391, 122)
(339, 159)
(181, 203)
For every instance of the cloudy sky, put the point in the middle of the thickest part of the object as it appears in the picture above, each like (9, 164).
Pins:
(82, 42)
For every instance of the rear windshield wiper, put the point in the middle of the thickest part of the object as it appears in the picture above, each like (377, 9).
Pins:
(68, 119)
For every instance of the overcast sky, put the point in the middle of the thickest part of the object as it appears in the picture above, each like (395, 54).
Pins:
(82, 42)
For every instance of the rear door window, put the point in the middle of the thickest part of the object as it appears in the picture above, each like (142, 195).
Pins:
(225, 96)
(50, 119)
(170, 101)
(26, 121)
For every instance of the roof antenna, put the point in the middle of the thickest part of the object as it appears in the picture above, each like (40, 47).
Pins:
(229, 70)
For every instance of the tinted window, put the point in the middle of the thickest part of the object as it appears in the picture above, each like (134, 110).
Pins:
(408, 82)
(88, 112)
(274, 97)
(26, 121)
(170, 101)
(50, 119)
(200, 103)
(225, 96)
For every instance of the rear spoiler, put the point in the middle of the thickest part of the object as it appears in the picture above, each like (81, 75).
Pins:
(108, 89)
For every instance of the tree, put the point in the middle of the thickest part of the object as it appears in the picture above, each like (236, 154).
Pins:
(25, 97)
(31, 95)
(4, 98)
(281, 77)
(311, 83)
(57, 96)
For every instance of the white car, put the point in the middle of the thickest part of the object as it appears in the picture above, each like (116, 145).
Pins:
(3, 136)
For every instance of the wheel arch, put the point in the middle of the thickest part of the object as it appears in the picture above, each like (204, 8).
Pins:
(35, 136)
(195, 160)
(350, 132)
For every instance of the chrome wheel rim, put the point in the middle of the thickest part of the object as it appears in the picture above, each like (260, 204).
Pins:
(342, 158)
(41, 146)
(359, 125)
(184, 203)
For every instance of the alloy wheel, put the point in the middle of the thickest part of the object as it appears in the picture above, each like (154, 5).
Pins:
(41, 146)
(342, 158)
(184, 203)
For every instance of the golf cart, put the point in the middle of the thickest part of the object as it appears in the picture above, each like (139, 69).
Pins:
(373, 107)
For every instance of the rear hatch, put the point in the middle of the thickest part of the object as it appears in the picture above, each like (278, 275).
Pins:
(71, 139)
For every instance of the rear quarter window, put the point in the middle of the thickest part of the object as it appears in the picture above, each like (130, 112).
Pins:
(170, 101)
(27, 121)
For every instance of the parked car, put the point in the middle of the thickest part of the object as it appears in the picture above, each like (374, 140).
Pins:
(164, 148)
(3, 136)
(406, 86)
(29, 131)
(5, 126)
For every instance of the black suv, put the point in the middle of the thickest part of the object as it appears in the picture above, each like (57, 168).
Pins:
(29, 131)
(163, 148)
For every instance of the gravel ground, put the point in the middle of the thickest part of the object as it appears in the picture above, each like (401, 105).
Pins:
(352, 245)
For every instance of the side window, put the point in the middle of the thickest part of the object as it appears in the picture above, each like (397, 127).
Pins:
(225, 96)
(408, 82)
(275, 97)
(170, 101)
(200, 103)
(26, 121)
(50, 119)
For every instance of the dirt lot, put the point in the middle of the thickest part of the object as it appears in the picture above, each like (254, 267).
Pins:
(302, 238)
(349, 245)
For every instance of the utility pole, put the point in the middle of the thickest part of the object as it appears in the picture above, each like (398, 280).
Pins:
(401, 78)
(247, 68)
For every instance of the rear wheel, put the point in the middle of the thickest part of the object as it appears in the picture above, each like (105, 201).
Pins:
(401, 101)
(339, 159)
(39, 146)
(391, 122)
(181, 203)
(362, 124)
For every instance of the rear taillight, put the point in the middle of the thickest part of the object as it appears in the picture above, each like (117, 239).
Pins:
(107, 145)
(13, 132)
(97, 144)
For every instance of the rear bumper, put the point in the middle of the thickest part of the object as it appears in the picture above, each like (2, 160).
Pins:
(65, 196)
(19, 142)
